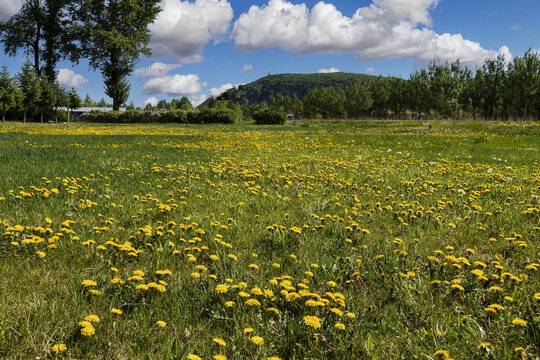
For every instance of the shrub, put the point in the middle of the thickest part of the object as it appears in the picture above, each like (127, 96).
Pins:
(202, 116)
(268, 116)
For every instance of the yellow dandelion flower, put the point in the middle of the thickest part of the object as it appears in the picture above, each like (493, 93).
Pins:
(230, 303)
(92, 318)
(161, 323)
(519, 322)
(273, 358)
(253, 302)
(195, 275)
(340, 326)
(88, 331)
(220, 357)
(58, 348)
(257, 340)
(116, 311)
(350, 315)
(41, 254)
(273, 310)
(312, 321)
(248, 330)
(219, 341)
(222, 288)
(87, 283)
(193, 357)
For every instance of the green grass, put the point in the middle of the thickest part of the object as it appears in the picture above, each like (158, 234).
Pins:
(437, 199)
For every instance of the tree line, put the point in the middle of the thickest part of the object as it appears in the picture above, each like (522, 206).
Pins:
(110, 34)
(498, 89)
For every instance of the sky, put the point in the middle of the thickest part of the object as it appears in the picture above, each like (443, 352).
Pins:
(201, 48)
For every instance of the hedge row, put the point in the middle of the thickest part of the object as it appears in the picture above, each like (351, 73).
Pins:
(268, 116)
(202, 116)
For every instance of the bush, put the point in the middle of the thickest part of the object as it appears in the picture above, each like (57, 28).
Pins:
(267, 116)
(203, 116)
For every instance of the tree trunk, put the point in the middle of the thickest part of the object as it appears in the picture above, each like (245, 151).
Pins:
(526, 114)
(42, 115)
(116, 104)
(3, 112)
(55, 115)
(24, 118)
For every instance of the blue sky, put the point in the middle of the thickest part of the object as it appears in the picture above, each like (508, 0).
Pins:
(201, 47)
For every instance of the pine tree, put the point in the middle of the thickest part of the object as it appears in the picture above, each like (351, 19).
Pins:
(6, 91)
(30, 87)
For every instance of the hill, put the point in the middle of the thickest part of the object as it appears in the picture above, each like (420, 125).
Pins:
(291, 85)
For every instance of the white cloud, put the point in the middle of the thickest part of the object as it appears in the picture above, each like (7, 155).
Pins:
(174, 85)
(384, 29)
(151, 100)
(370, 70)
(8, 8)
(327, 71)
(516, 27)
(197, 100)
(215, 92)
(247, 67)
(69, 79)
(157, 69)
(183, 28)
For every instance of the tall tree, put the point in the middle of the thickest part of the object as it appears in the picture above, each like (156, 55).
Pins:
(48, 95)
(116, 35)
(42, 29)
(6, 91)
(30, 87)
(357, 100)
(527, 72)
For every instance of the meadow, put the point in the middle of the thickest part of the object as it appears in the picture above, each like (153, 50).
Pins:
(313, 240)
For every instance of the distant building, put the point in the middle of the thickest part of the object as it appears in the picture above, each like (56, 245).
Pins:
(79, 111)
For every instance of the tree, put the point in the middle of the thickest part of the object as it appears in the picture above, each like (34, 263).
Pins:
(74, 101)
(327, 102)
(6, 91)
(527, 72)
(48, 95)
(163, 105)
(380, 93)
(60, 100)
(184, 104)
(30, 87)
(42, 30)
(102, 103)
(357, 100)
(88, 102)
(115, 35)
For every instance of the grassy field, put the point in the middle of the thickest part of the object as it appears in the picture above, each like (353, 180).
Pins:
(315, 240)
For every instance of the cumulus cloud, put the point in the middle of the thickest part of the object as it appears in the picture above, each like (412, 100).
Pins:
(327, 71)
(215, 92)
(174, 85)
(8, 8)
(370, 70)
(159, 69)
(151, 100)
(197, 100)
(69, 79)
(247, 67)
(183, 28)
(384, 29)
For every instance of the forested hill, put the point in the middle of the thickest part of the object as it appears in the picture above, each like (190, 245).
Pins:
(291, 85)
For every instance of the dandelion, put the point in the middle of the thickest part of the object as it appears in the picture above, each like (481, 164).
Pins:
(116, 311)
(88, 331)
(219, 341)
(58, 348)
(257, 340)
(312, 321)
(87, 283)
(222, 288)
(92, 318)
(193, 357)
(253, 302)
(273, 358)
(230, 303)
(340, 326)
(248, 330)
(519, 322)
(220, 357)
(161, 324)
